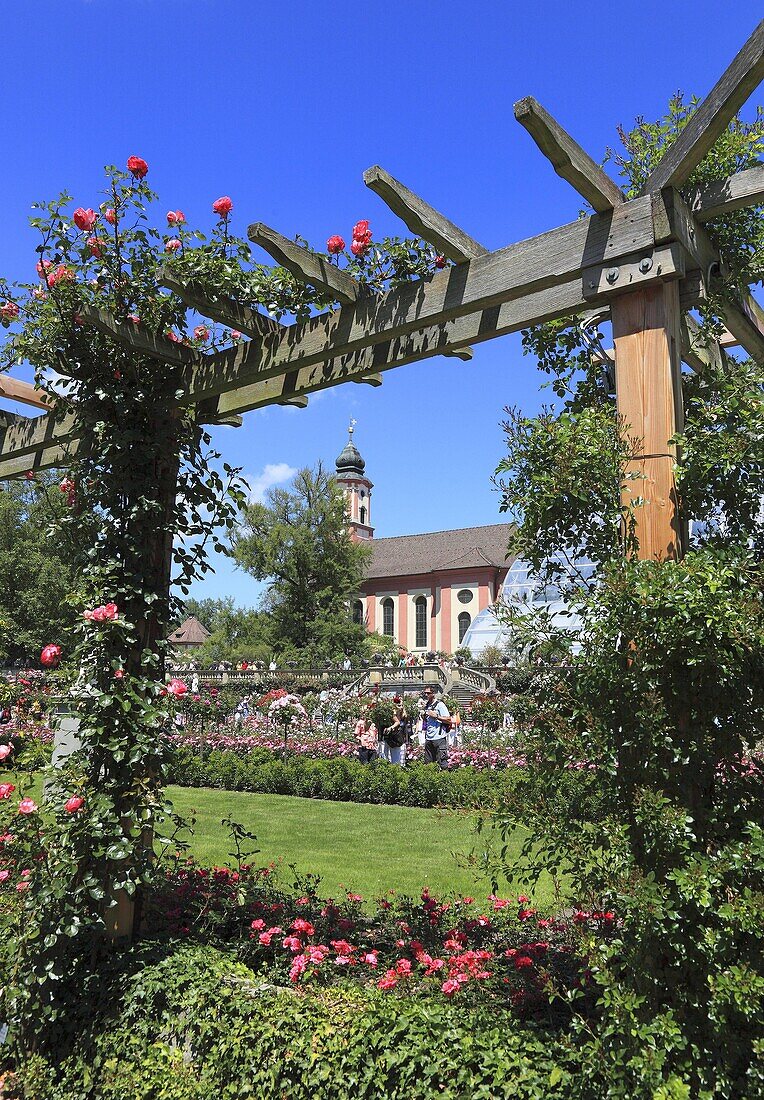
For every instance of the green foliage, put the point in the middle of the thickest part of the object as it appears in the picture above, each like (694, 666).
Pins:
(35, 575)
(344, 779)
(298, 542)
(197, 1025)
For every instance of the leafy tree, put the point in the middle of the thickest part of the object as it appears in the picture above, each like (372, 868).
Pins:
(298, 541)
(35, 575)
(666, 701)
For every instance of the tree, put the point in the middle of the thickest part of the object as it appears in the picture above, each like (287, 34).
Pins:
(299, 542)
(35, 575)
(666, 701)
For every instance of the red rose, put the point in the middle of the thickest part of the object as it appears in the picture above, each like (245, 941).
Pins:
(201, 333)
(66, 486)
(440, 262)
(85, 219)
(173, 245)
(137, 167)
(222, 206)
(50, 655)
(110, 215)
(73, 804)
(94, 244)
(30, 475)
(6, 790)
(119, 674)
(334, 245)
(62, 273)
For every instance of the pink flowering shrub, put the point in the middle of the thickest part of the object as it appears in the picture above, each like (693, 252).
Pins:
(497, 949)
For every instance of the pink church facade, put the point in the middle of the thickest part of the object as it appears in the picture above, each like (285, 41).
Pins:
(422, 590)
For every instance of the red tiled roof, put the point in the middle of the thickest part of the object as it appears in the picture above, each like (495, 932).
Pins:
(466, 547)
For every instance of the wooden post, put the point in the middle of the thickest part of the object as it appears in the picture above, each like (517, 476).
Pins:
(646, 331)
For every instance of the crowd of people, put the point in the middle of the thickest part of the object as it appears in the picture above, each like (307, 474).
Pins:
(436, 728)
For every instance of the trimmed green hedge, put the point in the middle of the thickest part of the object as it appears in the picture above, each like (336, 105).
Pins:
(199, 1026)
(344, 780)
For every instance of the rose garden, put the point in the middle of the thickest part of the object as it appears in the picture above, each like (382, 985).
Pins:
(588, 923)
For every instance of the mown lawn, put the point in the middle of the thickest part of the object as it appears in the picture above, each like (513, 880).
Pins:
(365, 848)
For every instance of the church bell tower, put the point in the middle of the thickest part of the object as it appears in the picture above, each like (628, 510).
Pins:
(357, 489)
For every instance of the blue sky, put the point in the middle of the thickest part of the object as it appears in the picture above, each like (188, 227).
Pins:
(283, 108)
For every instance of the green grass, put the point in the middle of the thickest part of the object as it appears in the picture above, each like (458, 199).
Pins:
(365, 848)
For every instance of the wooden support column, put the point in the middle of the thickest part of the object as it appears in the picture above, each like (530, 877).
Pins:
(646, 331)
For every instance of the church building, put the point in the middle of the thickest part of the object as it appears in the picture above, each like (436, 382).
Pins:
(423, 590)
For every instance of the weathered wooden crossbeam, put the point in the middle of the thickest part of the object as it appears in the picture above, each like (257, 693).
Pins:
(567, 157)
(422, 219)
(730, 92)
(698, 351)
(16, 390)
(307, 266)
(225, 311)
(538, 263)
(137, 338)
(745, 188)
(740, 312)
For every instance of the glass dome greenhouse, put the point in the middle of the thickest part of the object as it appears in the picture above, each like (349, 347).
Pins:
(520, 589)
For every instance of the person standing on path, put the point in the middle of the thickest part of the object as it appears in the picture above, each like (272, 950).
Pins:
(366, 735)
(436, 723)
(396, 736)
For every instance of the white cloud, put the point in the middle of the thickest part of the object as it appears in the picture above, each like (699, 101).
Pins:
(275, 473)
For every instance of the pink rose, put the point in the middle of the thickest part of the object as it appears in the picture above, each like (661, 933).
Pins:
(73, 804)
(222, 206)
(173, 245)
(4, 875)
(235, 334)
(110, 215)
(137, 167)
(5, 751)
(119, 674)
(134, 318)
(201, 333)
(175, 217)
(30, 475)
(177, 688)
(27, 806)
(9, 311)
(95, 247)
(87, 615)
(85, 219)
(6, 789)
(361, 231)
(50, 655)
(359, 248)
(42, 266)
(61, 274)
(335, 244)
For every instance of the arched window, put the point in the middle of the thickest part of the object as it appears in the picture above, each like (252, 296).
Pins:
(420, 606)
(388, 617)
(363, 514)
(464, 622)
(357, 611)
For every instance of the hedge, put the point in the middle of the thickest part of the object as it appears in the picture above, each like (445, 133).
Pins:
(344, 780)
(199, 1026)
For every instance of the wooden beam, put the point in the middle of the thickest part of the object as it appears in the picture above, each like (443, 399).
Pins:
(369, 379)
(307, 266)
(296, 402)
(649, 402)
(225, 311)
(465, 354)
(16, 390)
(712, 116)
(46, 458)
(697, 351)
(745, 188)
(739, 311)
(567, 157)
(549, 260)
(38, 432)
(138, 339)
(422, 219)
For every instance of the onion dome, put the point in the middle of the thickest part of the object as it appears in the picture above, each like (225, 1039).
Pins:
(350, 461)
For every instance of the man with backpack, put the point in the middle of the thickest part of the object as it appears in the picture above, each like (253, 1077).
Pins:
(436, 724)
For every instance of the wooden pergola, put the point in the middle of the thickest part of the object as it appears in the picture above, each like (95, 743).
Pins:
(643, 264)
